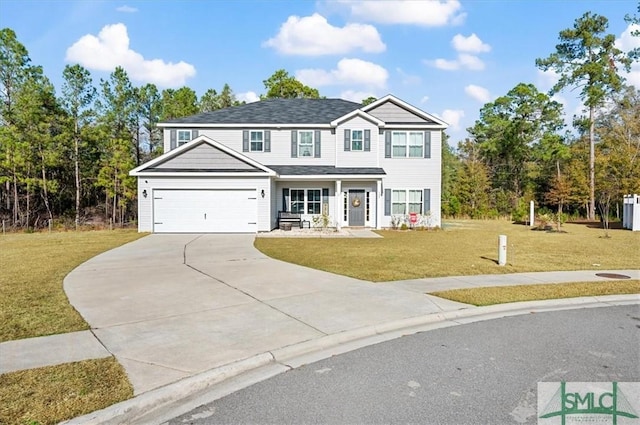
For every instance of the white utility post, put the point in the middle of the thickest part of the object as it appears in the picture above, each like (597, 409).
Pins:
(502, 250)
(532, 216)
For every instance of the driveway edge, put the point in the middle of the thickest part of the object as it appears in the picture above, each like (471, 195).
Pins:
(182, 396)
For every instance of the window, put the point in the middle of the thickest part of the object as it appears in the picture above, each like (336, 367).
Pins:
(256, 141)
(407, 144)
(184, 136)
(297, 201)
(406, 201)
(367, 206)
(305, 143)
(399, 202)
(314, 201)
(356, 140)
(345, 205)
(416, 144)
(306, 201)
(415, 201)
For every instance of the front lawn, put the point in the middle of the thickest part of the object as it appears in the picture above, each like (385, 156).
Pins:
(464, 247)
(32, 300)
(511, 294)
(33, 303)
(51, 394)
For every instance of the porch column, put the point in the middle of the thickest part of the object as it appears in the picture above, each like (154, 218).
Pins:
(379, 204)
(337, 214)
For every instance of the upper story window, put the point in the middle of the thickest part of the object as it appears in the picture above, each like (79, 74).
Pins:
(305, 143)
(184, 136)
(256, 141)
(357, 139)
(407, 144)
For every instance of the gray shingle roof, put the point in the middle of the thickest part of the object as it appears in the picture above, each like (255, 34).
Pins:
(314, 170)
(275, 111)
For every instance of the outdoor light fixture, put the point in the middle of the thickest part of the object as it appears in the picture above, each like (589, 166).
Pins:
(262, 193)
(144, 193)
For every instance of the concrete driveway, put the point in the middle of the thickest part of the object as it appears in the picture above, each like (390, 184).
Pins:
(172, 306)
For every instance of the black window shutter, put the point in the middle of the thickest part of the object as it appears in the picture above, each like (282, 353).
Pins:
(387, 144)
(245, 140)
(426, 200)
(325, 200)
(285, 199)
(317, 146)
(267, 140)
(173, 139)
(347, 139)
(427, 144)
(194, 134)
(387, 202)
(294, 144)
(367, 140)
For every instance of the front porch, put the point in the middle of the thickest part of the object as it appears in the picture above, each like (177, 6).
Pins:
(329, 196)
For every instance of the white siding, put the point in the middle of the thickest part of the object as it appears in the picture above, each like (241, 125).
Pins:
(280, 146)
(145, 206)
(358, 158)
(416, 173)
(389, 112)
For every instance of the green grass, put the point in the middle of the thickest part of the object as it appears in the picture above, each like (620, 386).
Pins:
(510, 294)
(52, 394)
(32, 299)
(464, 247)
(33, 303)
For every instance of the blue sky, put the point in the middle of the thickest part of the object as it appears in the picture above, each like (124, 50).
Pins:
(447, 57)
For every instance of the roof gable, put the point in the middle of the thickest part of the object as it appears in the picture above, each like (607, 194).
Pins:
(203, 155)
(392, 111)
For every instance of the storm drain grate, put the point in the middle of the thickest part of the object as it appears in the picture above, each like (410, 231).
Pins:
(613, 275)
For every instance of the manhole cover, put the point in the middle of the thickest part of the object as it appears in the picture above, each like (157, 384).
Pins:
(613, 275)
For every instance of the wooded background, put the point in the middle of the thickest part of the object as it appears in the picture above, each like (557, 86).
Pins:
(65, 156)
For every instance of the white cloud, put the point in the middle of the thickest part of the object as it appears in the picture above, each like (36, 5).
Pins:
(470, 62)
(453, 118)
(356, 96)
(627, 42)
(547, 79)
(433, 13)
(348, 71)
(471, 44)
(111, 49)
(248, 97)
(463, 61)
(313, 35)
(126, 9)
(478, 93)
(424, 99)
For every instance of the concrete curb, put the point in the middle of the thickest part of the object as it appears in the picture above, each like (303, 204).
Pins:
(180, 397)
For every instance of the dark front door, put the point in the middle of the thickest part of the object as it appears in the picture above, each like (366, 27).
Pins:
(356, 207)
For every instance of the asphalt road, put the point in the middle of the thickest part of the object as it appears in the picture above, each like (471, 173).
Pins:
(481, 373)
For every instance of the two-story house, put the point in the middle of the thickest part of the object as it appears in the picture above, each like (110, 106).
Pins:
(234, 169)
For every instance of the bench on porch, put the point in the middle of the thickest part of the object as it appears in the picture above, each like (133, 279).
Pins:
(287, 219)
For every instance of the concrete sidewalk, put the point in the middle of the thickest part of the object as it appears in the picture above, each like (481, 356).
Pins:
(172, 307)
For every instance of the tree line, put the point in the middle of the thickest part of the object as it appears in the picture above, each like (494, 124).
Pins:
(68, 156)
(520, 150)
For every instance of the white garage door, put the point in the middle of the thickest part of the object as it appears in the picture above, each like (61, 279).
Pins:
(205, 211)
